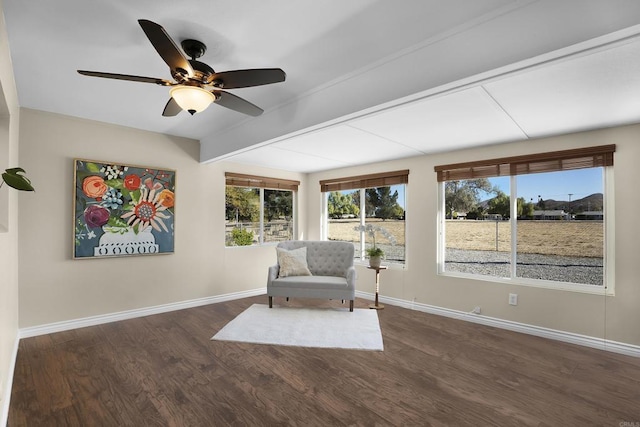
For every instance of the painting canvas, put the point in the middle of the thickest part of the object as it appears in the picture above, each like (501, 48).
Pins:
(122, 210)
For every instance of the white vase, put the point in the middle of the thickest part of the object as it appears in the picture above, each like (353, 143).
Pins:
(126, 243)
(375, 261)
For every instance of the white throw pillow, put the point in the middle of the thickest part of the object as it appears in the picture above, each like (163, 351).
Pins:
(293, 263)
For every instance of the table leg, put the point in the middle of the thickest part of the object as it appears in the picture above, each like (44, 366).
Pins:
(377, 306)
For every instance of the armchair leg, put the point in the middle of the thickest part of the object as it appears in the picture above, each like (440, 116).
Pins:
(270, 302)
(351, 305)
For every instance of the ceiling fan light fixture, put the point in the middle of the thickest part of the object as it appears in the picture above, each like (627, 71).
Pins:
(190, 77)
(192, 98)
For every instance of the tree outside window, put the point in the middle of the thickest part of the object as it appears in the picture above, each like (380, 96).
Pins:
(242, 215)
(259, 209)
(556, 239)
(278, 215)
(383, 207)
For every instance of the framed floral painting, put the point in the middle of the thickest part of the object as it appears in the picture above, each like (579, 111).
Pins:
(122, 210)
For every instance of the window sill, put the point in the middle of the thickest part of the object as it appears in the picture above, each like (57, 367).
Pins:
(257, 245)
(544, 284)
(389, 265)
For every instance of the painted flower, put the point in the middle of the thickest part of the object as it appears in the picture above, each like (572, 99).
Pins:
(148, 211)
(132, 182)
(112, 199)
(113, 171)
(96, 216)
(151, 185)
(166, 198)
(94, 186)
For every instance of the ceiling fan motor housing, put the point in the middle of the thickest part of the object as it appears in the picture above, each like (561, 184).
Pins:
(193, 48)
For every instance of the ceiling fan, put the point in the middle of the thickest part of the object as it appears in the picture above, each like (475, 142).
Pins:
(196, 85)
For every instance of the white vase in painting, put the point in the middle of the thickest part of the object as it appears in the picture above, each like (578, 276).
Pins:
(126, 243)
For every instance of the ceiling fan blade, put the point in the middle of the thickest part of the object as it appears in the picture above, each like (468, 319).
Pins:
(171, 109)
(166, 47)
(160, 82)
(236, 103)
(247, 78)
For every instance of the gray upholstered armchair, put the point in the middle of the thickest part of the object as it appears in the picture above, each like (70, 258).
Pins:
(330, 264)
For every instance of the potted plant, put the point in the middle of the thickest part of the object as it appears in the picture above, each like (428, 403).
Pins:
(14, 178)
(375, 253)
(375, 256)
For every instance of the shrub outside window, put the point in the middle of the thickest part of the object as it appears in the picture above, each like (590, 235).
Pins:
(551, 235)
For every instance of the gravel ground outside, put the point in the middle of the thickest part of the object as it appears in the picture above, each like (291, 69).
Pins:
(585, 270)
(568, 240)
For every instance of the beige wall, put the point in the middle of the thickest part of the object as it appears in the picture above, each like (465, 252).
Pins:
(54, 287)
(616, 318)
(64, 289)
(9, 125)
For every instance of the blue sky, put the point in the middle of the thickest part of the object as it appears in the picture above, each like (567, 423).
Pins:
(579, 183)
(400, 189)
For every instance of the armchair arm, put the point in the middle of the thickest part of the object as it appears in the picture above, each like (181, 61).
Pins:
(351, 277)
(273, 274)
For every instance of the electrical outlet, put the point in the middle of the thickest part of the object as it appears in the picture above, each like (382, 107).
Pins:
(476, 310)
(513, 299)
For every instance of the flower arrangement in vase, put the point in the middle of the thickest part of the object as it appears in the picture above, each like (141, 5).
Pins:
(375, 256)
(375, 253)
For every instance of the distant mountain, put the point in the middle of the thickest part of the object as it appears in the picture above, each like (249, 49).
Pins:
(593, 202)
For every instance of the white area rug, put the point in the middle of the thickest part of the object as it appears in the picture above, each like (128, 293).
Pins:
(305, 327)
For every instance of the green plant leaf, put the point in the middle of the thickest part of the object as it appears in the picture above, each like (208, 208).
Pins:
(117, 222)
(115, 183)
(14, 171)
(135, 196)
(375, 251)
(14, 178)
(92, 167)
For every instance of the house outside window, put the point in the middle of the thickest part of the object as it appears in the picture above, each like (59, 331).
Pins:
(367, 210)
(259, 210)
(538, 220)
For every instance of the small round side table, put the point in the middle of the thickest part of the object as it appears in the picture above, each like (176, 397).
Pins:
(377, 306)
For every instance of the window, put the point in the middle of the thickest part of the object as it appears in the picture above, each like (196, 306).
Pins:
(552, 234)
(258, 210)
(367, 210)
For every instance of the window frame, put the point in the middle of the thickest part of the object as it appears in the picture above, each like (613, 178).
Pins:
(261, 183)
(504, 167)
(362, 183)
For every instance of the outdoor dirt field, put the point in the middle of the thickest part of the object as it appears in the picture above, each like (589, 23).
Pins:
(343, 229)
(565, 238)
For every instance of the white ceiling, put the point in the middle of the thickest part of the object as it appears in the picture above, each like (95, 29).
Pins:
(367, 80)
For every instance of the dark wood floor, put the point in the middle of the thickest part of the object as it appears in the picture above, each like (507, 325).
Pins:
(164, 370)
